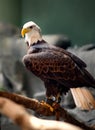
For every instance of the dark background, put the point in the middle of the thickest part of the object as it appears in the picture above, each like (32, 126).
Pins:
(75, 18)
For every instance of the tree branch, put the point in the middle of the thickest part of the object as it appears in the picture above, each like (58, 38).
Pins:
(41, 109)
(18, 114)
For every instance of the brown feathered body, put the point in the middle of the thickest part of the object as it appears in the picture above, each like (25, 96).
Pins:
(61, 71)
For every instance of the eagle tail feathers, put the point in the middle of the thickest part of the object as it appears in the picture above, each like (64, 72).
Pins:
(83, 98)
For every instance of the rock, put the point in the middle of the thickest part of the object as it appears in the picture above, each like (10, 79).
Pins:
(88, 117)
(87, 55)
(58, 40)
(8, 30)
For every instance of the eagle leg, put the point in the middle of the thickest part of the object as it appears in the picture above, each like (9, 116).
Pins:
(54, 102)
(52, 98)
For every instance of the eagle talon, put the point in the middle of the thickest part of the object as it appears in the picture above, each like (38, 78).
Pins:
(56, 107)
(47, 105)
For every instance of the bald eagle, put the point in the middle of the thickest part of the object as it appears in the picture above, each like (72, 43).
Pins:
(59, 69)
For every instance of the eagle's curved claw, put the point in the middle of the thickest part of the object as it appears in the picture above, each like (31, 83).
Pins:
(47, 105)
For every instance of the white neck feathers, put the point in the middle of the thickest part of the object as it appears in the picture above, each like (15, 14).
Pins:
(32, 37)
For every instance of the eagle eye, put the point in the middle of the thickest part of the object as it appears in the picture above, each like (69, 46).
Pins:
(31, 27)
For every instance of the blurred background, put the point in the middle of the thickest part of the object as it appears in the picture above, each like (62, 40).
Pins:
(75, 18)
(66, 23)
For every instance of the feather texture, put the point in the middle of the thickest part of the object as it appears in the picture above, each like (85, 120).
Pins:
(83, 98)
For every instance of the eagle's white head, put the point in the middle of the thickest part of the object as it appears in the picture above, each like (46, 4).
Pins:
(32, 33)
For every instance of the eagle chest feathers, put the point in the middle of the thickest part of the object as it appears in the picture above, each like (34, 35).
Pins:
(47, 63)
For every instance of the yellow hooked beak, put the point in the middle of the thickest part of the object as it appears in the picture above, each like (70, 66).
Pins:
(24, 30)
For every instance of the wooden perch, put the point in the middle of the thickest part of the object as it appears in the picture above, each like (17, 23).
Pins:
(28, 103)
(41, 109)
(18, 114)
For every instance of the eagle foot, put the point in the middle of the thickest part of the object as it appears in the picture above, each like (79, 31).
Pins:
(56, 107)
(47, 105)
(53, 108)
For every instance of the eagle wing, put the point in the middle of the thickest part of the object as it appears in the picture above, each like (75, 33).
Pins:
(53, 63)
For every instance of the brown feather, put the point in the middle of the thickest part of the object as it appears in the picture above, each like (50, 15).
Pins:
(83, 98)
